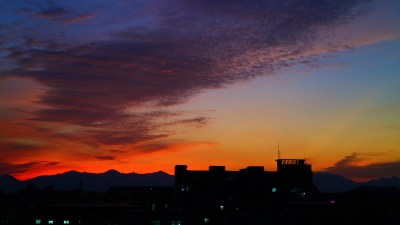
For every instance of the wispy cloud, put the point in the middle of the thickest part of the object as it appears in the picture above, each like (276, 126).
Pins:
(52, 13)
(160, 145)
(116, 79)
(349, 167)
(11, 169)
(79, 19)
(22, 144)
(62, 15)
(116, 151)
(106, 157)
(349, 160)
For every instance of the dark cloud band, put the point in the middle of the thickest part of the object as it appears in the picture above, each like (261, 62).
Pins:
(183, 48)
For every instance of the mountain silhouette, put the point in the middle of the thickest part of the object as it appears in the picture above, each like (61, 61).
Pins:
(88, 181)
(9, 184)
(329, 183)
(325, 182)
(384, 182)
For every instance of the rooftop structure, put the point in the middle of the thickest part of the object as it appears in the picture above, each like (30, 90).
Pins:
(252, 184)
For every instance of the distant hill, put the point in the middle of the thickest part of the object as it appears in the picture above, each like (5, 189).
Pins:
(9, 184)
(88, 181)
(329, 183)
(384, 182)
(325, 182)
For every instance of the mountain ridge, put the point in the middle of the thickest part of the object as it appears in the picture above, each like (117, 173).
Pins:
(100, 182)
(329, 183)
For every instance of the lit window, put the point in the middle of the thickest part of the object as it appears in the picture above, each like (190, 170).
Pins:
(206, 220)
(66, 221)
(176, 222)
(166, 206)
(184, 189)
(273, 190)
(38, 221)
(51, 222)
(221, 207)
(153, 207)
(155, 222)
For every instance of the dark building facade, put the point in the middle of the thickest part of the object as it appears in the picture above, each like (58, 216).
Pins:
(220, 196)
(213, 196)
(292, 176)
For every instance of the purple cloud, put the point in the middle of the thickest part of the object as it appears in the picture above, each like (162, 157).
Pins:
(349, 160)
(163, 58)
(79, 19)
(345, 167)
(22, 145)
(52, 13)
(106, 157)
(194, 122)
(155, 146)
(116, 151)
(7, 169)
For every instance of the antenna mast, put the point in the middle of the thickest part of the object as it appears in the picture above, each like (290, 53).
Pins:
(279, 151)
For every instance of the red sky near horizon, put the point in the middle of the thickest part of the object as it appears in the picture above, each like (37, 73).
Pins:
(141, 86)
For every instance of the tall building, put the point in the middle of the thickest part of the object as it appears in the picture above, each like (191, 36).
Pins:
(252, 186)
(219, 195)
(294, 175)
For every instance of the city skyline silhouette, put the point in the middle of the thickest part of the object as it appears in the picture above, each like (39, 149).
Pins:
(142, 86)
(213, 196)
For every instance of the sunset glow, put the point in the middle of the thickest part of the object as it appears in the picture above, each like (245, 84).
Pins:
(140, 86)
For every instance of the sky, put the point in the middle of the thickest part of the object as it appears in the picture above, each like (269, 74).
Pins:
(141, 86)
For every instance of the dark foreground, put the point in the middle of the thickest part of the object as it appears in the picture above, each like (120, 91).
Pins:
(161, 206)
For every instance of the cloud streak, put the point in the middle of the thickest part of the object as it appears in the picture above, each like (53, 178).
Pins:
(12, 169)
(196, 46)
(106, 157)
(348, 167)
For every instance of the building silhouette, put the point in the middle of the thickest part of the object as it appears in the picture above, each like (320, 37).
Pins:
(213, 196)
(292, 176)
(220, 196)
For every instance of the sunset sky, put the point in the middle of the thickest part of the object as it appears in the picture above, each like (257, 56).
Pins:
(140, 86)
